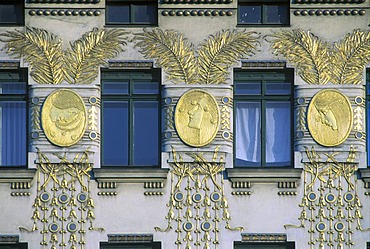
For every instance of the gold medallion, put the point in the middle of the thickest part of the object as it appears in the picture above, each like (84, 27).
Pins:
(329, 117)
(63, 117)
(197, 118)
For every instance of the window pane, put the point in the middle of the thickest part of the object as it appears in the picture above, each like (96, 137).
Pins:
(118, 13)
(277, 14)
(368, 130)
(115, 87)
(248, 134)
(249, 14)
(146, 133)
(145, 87)
(11, 13)
(115, 133)
(13, 87)
(145, 14)
(13, 133)
(248, 88)
(278, 150)
(276, 88)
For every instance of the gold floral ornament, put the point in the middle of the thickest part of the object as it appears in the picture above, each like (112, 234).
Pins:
(330, 206)
(319, 63)
(51, 65)
(198, 204)
(210, 65)
(330, 117)
(197, 118)
(63, 117)
(63, 208)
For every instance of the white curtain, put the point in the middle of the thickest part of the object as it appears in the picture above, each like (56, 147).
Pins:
(248, 134)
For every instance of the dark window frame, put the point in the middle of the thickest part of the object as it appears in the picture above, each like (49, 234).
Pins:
(132, 19)
(255, 245)
(21, 9)
(131, 98)
(264, 4)
(23, 76)
(267, 76)
(13, 246)
(150, 245)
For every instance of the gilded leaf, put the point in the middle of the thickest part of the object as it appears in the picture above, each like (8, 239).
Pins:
(306, 52)
(172, 52)
(90, 52)
(41, 49)
(220, 51)
(349, 57)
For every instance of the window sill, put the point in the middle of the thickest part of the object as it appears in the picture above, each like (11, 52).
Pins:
(16, 175)
(131, 175)
(284, 177)
(365, 176)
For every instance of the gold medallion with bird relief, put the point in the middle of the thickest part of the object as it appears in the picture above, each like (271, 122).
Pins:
(197, 118)
(329, 117)
(63, 117)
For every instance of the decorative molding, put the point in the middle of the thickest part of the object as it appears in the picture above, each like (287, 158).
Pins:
(365, 176)
(263, 175)
(11, 239)
(130, 64)
(130, 238)
(240, 193)
(330, 12)
(9, 64)
(131, 175)
(17, 177)
(65, 1)
(155, 193)
(197, 12)
(292, 193)
(197, 1)
(263, 64)
(258, 238)
(328, 1)
(240, 184)
(64, 12)
(107, 193)
(287, 184)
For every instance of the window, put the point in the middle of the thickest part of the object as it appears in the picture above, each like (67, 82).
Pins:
(263, 118)
(130, 127)
(12, 12)
(266, 12)
(368, 113)
(154, 245)
(13, 115)
(288, 245)
(143, 12)
(13, 246)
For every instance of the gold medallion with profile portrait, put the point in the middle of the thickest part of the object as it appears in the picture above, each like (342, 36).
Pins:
(329, 117)
(197, 118)
(63, 117)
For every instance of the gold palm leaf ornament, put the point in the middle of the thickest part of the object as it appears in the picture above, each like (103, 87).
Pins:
(306, 52)
(177, 56)
(41, 49)
(90, 52)
(172, 51)
(349, 57)
(51, 65)
(220, 51)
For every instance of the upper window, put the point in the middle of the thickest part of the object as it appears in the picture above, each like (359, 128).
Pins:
(263, 118)
(13, 246)
(131, 123)
(13, 116)
(134, 12)
(153, 245)
(288, 245)
(263, 12)
(12, 12)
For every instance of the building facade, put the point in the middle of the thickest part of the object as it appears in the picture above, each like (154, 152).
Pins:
(184, 124)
